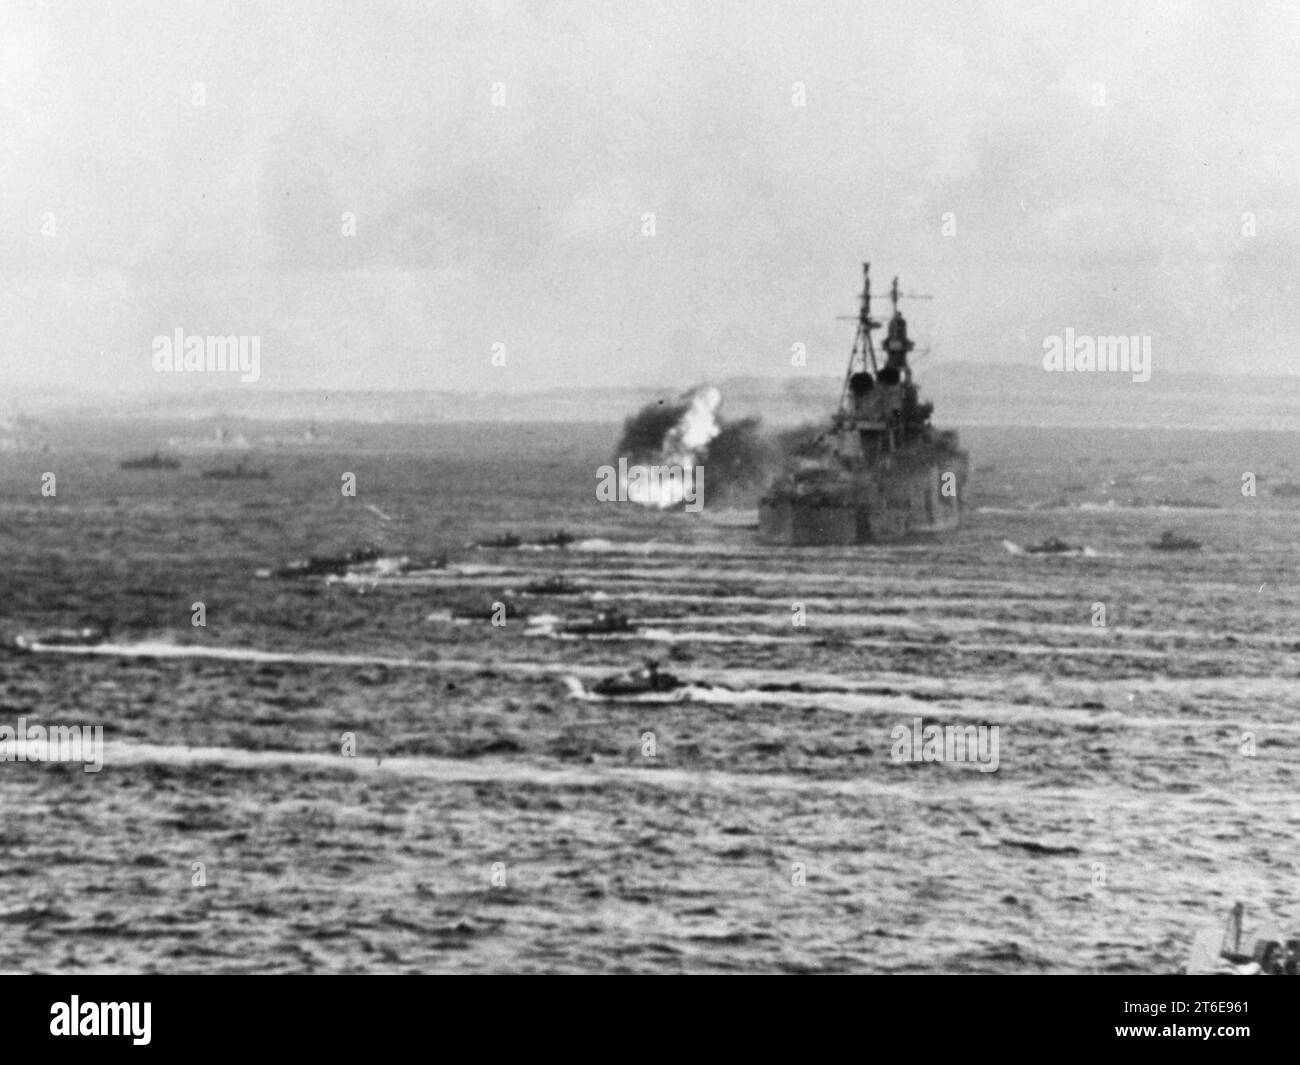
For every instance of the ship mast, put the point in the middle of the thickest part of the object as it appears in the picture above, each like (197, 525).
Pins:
(897, 344)
(863, 348)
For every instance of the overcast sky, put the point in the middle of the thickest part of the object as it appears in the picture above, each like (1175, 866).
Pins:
(1098, 160)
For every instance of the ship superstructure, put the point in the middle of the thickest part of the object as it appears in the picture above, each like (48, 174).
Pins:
(881, 471)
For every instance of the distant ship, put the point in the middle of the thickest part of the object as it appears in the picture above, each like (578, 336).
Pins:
(238, 472)
(324, 565)
(156, 461)
(506, 540)
(561, 539)
(881, 471)
(1053, 545)
(556, 585)
(1226, 953)
(1170, 541)
(602, 623)
(35, 641)
(648, 680)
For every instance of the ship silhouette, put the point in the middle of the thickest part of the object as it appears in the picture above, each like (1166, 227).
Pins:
(881, 471)
(241, 471)
(156, 461)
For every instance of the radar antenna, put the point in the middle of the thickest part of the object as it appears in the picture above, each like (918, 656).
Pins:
(895, 295)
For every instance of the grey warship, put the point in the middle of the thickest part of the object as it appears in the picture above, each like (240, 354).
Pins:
(881, 471)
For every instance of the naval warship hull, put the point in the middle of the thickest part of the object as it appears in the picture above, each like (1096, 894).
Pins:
(878, 507)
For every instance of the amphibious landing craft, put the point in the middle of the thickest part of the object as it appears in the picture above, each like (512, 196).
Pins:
(881, 471)
(156, 461)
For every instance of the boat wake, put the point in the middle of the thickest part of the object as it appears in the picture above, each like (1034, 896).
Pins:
(1064, 552)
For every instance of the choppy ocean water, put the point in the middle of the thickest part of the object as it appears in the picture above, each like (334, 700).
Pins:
(491, 821)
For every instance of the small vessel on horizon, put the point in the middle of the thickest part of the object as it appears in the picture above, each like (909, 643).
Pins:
(555, 585)
(239, 472)
(562, 538)
(648, 680)
(323, 565)
(508, 540)
(1053, 545)
(1171, 541)
(156, 461)
(87, 636)
(602, 623)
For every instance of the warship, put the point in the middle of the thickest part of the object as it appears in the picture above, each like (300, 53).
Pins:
(881, 471)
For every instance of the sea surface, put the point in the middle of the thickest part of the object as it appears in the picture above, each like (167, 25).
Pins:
(494, 818)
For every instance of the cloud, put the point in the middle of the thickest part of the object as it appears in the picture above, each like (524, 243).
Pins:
(522, 223)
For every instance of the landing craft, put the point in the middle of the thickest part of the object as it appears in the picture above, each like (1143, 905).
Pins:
(323, 565)
(881, 471)
(1171, 541)
(156, 461)
(560, 539)
(241, 471)
(1262, 955)
(1053, 545)
(602, 623)
(646, 681)
(556, 585)
(83, 637)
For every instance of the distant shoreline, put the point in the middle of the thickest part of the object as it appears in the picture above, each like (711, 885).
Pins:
(963, 394)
